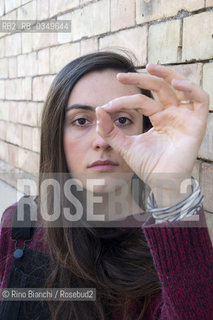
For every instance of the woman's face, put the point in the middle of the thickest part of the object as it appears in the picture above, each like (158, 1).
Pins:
(83, 146)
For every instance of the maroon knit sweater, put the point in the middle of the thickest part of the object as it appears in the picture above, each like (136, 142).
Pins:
(183, 258)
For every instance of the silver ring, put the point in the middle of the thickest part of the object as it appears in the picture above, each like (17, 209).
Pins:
(186, 101)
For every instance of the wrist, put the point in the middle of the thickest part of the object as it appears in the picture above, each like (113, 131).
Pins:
(184, 209)
(169, 192)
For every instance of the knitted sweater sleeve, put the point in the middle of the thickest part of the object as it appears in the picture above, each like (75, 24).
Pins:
(183, 257)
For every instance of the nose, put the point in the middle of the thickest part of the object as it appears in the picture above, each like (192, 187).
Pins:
(99, 143)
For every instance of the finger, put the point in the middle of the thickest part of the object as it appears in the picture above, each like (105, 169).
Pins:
(193, 90)
(163, 91)
(167, 74)
(196, 93)
(110, 133)
(145, 105)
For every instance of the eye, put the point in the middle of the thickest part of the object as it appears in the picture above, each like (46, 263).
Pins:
(80, 122)
(123, 121)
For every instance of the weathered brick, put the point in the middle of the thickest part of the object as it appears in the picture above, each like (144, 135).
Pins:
(78, 19)
(194, 49)
(3, 68)
(43, 61)
(134, 40)
(91, 20)
(84, 1)
(27, 137)
(27, 42)
(12, 4)
(13, 111)
(2, 89)
(68, 51)
(27, 65)
(31, 138)
(207, 185)
(28, 11)
(208, 81)
(43, 40)
(122, 14)
(4, 168)
(18, 89)
(31, 187)
(2, 34)
(4, 110)
(89, 45)
(3, 151)
(2, 47)
(25, 1)
(40, 109)
(13, 155)
(57, 7)
(13, 44)
(3, 128)
(192, 71)
(148, 10)
(9, 16)
(163, 42)
(206, 150)
(14, 133)
(196, 170)
(64, 37)
(42, 9)
(27, 113)
(10, 174)
(209, 3)
(28, 161)
(12, 67)
(36, 140)
(1, 7)
(41, 86)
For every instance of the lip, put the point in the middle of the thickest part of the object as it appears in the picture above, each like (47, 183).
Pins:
(103, 165)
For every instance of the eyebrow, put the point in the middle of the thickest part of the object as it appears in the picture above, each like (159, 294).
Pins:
(80, 106)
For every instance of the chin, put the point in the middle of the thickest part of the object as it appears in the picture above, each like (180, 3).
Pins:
(107, 184)
(104, 182)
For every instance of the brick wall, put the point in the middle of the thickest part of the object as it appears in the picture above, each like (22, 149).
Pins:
(177, 33)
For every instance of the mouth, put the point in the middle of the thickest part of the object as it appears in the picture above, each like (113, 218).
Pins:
(103, 165)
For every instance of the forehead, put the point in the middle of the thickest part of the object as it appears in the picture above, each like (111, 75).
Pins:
(99, 87)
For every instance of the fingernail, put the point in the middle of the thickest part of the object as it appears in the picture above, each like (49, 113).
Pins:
(124, 74)
(150, 64)
(118, 74)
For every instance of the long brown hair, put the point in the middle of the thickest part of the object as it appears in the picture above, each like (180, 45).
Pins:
(116, 262)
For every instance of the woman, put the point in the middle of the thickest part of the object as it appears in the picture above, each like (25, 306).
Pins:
(92, 124)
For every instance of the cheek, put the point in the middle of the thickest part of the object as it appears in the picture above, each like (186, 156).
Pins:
(73, 151)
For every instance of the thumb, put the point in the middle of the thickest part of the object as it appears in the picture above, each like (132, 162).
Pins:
(110, 133)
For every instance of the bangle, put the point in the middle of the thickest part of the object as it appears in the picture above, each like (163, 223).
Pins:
(186, 208)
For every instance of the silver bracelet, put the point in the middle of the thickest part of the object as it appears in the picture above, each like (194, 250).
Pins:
(186, 208)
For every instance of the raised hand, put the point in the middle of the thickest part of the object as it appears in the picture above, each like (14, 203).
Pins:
(178, 115)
